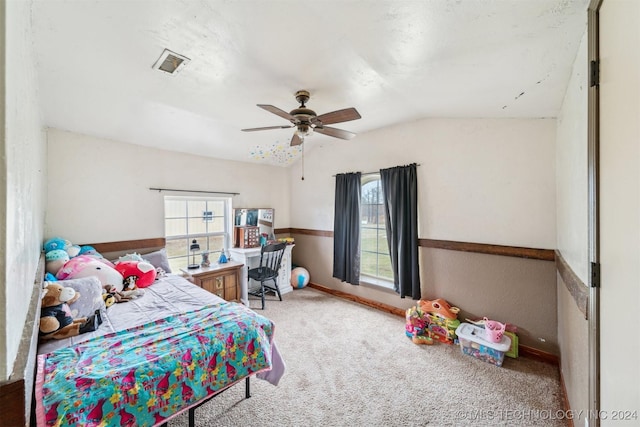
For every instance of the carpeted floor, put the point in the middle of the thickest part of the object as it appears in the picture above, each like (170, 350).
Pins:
(350, 365)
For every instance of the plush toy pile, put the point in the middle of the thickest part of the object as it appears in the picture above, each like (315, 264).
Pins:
(122, 280)
(65, 261)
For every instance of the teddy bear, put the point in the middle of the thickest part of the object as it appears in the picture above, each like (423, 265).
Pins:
(56, 321)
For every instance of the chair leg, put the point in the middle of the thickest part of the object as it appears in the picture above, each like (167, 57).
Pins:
(275, 282)
(262, 293)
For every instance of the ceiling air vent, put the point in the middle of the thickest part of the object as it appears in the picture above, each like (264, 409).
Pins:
(170, 62)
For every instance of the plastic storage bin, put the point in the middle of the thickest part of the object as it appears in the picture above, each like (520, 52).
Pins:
(473, 342)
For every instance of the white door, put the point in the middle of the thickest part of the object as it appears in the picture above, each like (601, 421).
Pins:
(619, 199)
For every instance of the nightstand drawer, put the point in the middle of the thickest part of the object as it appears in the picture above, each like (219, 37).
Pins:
(222, 280)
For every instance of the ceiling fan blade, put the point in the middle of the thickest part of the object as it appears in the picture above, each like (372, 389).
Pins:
(278, 112)
(337, 133)
(338, 116)
(266, 128)
(296, 140)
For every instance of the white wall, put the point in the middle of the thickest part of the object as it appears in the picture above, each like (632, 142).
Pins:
(22, 179)
(573, 229)
(98, 190)
(571, 169)
(480, 180)
(620, 206)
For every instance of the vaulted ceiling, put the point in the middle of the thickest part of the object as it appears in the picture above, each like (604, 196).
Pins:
(394, 61)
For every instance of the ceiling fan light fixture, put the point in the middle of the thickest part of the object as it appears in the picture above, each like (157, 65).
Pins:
(304, 130)
(307, 122)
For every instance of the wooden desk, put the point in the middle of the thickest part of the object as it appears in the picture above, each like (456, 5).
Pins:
(220, 279)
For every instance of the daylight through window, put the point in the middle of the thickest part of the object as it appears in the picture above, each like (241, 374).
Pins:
(375, 263)
(208, 220)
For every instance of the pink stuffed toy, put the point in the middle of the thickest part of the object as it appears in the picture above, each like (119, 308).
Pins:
(85, 266)
(141, 273)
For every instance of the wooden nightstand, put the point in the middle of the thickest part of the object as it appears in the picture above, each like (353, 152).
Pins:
(219, 279)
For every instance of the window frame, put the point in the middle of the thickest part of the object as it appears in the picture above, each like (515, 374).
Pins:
(226, 234)
(367, 277)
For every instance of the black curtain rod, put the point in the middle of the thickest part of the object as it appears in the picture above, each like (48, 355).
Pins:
(372, 173)
(193, 191)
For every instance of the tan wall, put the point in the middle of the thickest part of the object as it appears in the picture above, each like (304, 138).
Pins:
(316, 255)
(515, 290)
(573, 335)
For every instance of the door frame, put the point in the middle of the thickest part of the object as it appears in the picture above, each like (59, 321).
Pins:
(593, 124)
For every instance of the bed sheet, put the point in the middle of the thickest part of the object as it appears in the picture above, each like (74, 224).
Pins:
(152, 358)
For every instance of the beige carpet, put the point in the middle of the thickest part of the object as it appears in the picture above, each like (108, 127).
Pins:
(350, 365)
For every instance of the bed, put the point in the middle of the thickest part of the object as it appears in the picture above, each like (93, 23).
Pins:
(154, 357)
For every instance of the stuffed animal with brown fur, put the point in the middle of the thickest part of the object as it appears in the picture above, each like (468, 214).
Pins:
(56, 321)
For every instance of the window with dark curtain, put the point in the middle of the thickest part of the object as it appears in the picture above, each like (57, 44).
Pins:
(346, 228)
(400, 189)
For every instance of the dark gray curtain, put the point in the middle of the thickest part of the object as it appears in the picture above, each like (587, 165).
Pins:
(346, 228)
(400, 192)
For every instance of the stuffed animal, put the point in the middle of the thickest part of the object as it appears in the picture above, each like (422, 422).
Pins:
(131, 257)
(142, 273)
(55, 260)
(55, 243)
(85, 266)
(73, 250)
(109, 299)
(133, 293)
(92, 252)
(115, 296)
(56, 321)
(160, 272)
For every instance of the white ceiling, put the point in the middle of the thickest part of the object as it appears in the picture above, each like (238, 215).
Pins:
(394, 61)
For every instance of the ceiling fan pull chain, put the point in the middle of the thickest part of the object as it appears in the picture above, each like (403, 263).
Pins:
(302, 179)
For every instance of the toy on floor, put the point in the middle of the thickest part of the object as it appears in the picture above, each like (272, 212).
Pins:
(416, 326)
(442, 319)
(473, 342)
(510, 330)
(299, 277)
(493, 330)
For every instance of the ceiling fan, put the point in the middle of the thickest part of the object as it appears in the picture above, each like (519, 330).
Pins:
(306, 121)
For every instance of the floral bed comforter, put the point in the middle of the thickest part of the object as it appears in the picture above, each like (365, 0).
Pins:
(142, 375)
